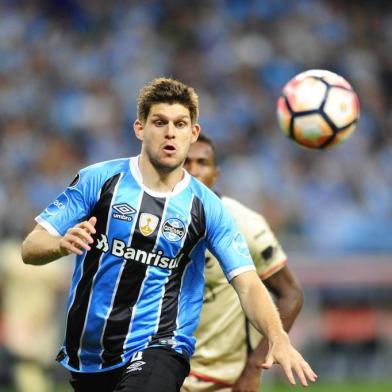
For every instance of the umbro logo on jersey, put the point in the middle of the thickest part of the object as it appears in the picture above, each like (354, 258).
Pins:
(135, 366)
(123, 212)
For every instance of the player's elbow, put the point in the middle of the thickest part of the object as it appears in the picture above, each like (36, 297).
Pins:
(29, 251)
(26, 253)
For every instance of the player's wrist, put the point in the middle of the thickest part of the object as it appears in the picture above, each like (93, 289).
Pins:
(279, 337)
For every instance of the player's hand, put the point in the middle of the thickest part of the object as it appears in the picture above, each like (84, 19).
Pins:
(77, 239)
(283, 353)
(249, 380)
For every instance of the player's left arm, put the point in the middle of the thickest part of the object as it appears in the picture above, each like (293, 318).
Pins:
(289, 301)
(263, 314)
(227, 243)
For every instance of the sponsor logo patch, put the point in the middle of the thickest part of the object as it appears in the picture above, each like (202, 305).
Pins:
(58, 205)
(120, 249)
(147, 223)
(123, 211)
(173, 229)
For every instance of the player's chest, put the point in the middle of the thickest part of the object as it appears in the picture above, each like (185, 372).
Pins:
(157, 231)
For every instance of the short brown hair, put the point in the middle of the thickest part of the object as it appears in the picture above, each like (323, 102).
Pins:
(166, 90)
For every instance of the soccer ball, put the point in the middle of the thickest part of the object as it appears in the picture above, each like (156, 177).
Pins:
(318, 109)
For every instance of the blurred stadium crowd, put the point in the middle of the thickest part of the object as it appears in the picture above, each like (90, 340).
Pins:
(70, 72)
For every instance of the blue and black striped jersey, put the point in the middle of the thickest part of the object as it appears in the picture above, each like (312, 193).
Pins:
(142, 282)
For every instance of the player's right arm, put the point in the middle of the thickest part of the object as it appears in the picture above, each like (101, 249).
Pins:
(67, 224)
(41, 247)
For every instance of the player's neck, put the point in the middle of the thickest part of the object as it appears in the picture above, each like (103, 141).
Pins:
(156, 180)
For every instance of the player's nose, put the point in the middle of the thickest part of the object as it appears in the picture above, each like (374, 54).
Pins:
(170, 130)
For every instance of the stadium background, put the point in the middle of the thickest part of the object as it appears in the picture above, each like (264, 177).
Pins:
(69, 75)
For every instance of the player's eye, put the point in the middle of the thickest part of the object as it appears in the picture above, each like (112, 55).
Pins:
(159, 123)
(180, 124)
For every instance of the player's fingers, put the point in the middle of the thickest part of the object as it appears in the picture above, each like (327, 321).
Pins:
(93, 221)
(87, 227)
(289, 373)
(76, 241)
(269, 361)
(87, 224)
(301, 375)
(75, 250)
(70, 248)
(81, 233)
(310, 374)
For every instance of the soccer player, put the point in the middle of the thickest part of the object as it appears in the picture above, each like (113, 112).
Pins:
(228, 352)
(139, 227)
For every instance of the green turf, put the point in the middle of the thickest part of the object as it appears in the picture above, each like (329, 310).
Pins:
(333, 387)
(318, 387)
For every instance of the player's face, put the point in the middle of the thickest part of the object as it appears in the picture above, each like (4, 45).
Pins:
(167, 135)
(200, 163)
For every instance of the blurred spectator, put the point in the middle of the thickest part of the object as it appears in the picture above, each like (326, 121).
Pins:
(69, 75)
(31, 322)
(70, 72)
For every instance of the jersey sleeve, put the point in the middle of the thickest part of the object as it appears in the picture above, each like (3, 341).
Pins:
(264, 247)
(72, 206)
(226, 242)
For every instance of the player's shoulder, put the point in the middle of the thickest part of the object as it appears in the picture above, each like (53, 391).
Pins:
(113, 165)
(106, 169)
(202, 192)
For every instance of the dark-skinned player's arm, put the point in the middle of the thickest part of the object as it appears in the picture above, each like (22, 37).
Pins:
(289, 300)
(41, 247)
(261, 311)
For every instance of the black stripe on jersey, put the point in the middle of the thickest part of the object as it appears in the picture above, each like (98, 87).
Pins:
(129, 286)
(169, 309)
(78, 311)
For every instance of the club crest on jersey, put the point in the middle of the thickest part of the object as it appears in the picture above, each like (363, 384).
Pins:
(173, 229)
(147, 223)
(123, 212)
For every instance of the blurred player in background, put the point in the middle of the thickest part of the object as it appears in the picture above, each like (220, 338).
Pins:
(31, 298)
(228, 349)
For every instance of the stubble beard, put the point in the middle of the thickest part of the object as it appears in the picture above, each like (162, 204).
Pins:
(162, 167)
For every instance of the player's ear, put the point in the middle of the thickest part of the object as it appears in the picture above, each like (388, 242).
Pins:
(139, 129)
(196, 128)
